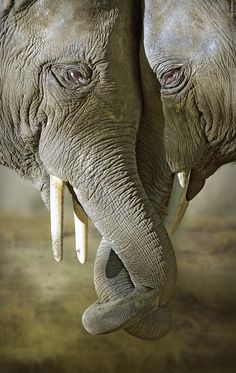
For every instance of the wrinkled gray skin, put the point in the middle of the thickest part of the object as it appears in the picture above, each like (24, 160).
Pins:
(191, 47)
(70, 106)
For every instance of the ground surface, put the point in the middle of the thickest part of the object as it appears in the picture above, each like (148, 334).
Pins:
(41, 303)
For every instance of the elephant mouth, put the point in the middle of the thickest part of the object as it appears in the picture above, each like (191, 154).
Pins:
(192, 182)
(196, 184)
(198, 178)
(208, 164)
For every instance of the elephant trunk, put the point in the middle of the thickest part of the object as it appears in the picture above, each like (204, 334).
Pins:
(121, 211)
(112, 282)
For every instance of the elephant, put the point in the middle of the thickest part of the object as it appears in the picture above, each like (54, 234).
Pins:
(191, 49)
(65, 120)
(186, 129)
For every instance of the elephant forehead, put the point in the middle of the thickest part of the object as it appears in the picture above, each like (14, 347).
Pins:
(72, 7)
(185, 30)
(60, 22)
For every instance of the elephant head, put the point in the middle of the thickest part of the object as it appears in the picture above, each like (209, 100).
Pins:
(190, 46)
(70, 109)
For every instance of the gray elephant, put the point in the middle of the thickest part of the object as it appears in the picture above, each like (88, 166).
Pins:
(191, 48)
(70, 111)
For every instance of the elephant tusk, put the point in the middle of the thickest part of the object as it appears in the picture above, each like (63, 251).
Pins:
(81, 232)
(182, 179)
(178, 203)
(56, 214)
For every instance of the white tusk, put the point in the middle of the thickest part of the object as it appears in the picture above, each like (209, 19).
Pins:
(56, 213)
(178, 203)
(81, 232)
(182, 179)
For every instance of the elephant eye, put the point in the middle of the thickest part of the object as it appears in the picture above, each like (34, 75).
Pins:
(171, 78)
(80, 76)
(73, 76)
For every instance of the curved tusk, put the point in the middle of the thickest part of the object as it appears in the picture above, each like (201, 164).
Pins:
(81, 232)
(178, 203)
(56, 214)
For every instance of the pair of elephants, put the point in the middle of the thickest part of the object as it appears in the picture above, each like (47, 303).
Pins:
(113, 98)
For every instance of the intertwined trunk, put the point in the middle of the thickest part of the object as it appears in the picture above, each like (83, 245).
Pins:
(113, 280)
